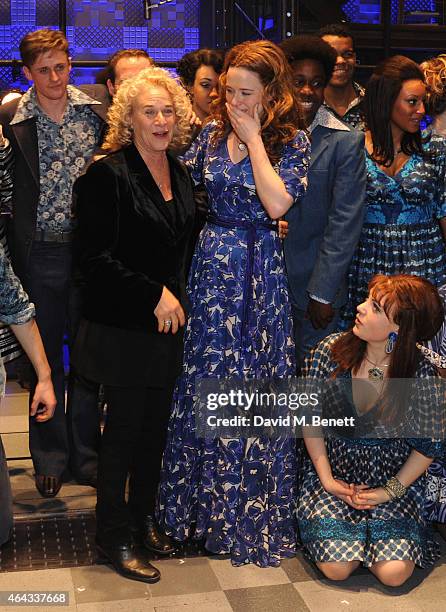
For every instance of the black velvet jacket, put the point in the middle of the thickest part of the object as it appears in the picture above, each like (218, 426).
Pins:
(127, 248)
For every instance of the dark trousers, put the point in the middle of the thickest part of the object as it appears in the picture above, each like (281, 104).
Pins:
(57, 301)
(84, 427)
(132, 444)
(306, 337)
(5, 499)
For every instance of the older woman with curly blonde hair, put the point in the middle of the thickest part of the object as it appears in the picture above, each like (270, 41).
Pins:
(119, 119)
(135, 212)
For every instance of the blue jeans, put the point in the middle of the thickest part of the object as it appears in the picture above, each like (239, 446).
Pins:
(58, 304)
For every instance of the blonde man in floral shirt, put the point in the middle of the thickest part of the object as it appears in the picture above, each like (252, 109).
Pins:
(53, 130)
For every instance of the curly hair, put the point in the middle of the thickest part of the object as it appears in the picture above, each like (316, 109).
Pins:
(299, 48)
(435, 76)
(381, 93)
(120, 132)
(281, 120)
(190, 62)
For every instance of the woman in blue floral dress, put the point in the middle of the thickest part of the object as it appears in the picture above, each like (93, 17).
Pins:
(362, 498)
(435, 75)
(405, 193)
(239, 494)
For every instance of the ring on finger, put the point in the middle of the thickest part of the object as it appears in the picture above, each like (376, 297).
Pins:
(167, 323)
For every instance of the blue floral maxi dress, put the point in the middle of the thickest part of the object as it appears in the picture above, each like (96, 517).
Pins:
(401, 232)
(237, 494)
(330, 529)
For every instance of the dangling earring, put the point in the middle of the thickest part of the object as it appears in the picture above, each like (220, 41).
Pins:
(390, 344)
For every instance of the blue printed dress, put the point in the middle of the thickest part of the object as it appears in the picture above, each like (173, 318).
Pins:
(237, 494)
(436, 474)
(401, 232)
(330, 529)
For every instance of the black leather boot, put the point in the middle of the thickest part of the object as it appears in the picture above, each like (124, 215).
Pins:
(128, 560)
(153, 539)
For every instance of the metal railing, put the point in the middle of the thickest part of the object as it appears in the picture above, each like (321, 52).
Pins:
(431, 13)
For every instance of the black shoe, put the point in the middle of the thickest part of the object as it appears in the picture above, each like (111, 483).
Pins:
(129, 562)
(87, 482)
(153, 539)
(48, 486)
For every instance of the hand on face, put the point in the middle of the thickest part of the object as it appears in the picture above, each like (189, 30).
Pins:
(244, 96)
(246, 127)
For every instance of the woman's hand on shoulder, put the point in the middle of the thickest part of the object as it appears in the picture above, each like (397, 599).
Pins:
(193, 119)
(169, 312)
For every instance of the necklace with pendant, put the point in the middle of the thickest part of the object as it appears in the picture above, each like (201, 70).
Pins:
(240, 145)
(376, 373)
(164, 169)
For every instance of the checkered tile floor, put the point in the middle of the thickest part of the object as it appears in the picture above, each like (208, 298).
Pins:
(57, 553)
(213, 585)
(53, 549)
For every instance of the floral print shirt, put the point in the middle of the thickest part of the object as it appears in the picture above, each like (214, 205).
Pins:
(15, 307)
(64, 151)
(354, 115)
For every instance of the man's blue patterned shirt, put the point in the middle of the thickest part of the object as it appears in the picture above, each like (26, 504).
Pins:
(64, 151)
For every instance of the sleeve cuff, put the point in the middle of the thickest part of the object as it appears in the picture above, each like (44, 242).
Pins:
(318, 299)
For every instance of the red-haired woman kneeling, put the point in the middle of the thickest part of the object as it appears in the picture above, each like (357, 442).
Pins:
(362, 498)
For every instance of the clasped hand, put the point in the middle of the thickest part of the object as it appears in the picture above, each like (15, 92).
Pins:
(360, 497)
(246, 127)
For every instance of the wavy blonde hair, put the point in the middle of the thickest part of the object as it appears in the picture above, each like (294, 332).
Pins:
(435, 76)
(120, 131)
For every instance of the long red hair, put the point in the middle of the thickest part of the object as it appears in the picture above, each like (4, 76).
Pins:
(281, 120)
(414, 305)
